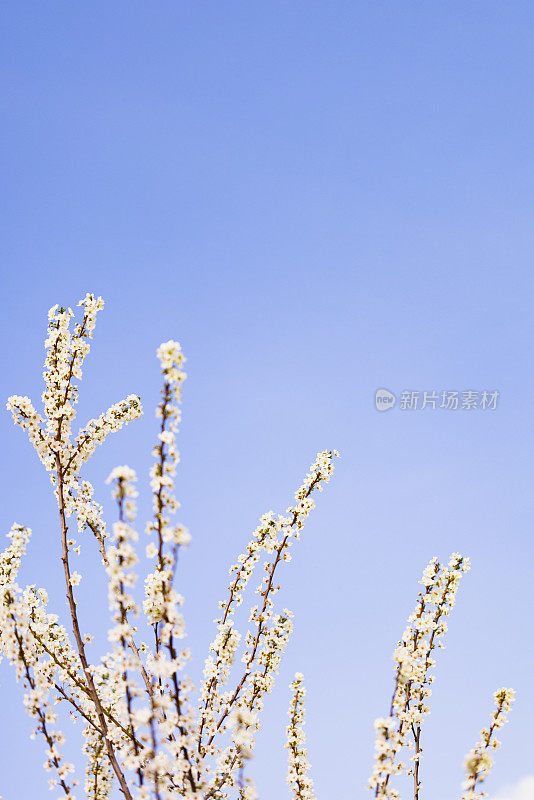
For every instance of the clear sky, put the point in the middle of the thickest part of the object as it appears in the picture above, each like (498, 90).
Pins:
(317, 199)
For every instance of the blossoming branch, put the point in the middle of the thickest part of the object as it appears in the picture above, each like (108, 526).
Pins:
(144, 730)
(401, 730)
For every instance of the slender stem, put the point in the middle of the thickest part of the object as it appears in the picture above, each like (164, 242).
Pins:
(42, 717)
(166, 585)
(493, 727)
(419, 612)
(98, 750)
(129, 638)
(78, 683)
(212, 686)
(416, 729)
(76, 706)
(78, 637)
(260, 628)
(417, 738)
(124, 619)
(226, 775)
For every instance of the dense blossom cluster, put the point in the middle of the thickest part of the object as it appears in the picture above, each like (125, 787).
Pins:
(141, 730)
(51, 436)
(268, 635)
(478, 762)
(300, 783)
(424, 633)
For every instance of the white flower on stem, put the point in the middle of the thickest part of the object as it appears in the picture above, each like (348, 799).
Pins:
(272, 538)
(124, 490)
(413, 679)
(478, 762)
(300, 783)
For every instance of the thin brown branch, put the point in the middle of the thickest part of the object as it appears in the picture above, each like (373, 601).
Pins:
(260, 627)
(38, 710)
(79, 641)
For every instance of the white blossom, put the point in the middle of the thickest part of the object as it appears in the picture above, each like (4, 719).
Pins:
(414, 677)
(478, 762)
(144, 734)
(300, 783)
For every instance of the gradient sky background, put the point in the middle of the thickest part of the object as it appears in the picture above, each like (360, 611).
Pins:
(316, 199)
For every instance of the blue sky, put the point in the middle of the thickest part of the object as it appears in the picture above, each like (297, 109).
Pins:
(317, 200)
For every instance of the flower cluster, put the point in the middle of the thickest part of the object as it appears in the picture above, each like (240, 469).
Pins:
(270, 633)
(23, 627)
(300, 783)
(97, 430)
(124, 490)
(225, 645)
(478, 762)
(388, 743)
(409, 704)
(66, 351)
(142, 733)
(425, 630)
(161, 600)
(25, 415)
